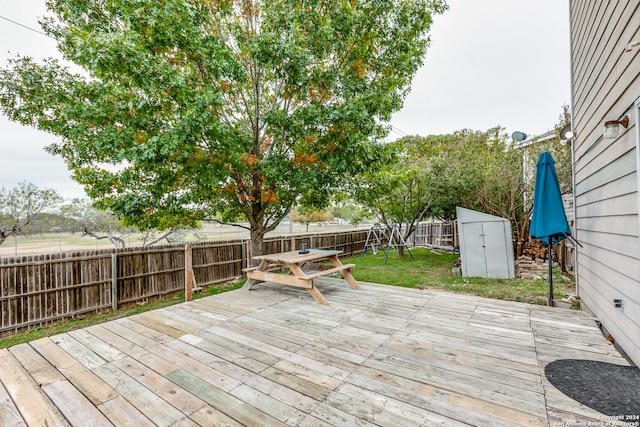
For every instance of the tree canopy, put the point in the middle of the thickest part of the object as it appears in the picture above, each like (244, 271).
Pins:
(188, 108)
(401, 192)
(432, 175)
(480, 170)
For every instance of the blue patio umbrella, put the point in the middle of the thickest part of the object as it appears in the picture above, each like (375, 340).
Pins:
(549, 221)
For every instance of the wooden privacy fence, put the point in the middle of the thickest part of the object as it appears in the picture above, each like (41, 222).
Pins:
(438, 234)
(39, 290)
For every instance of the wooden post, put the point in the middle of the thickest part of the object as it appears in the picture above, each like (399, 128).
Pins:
(114, 281)
(249, 253)
(244, 263)
(189, 277)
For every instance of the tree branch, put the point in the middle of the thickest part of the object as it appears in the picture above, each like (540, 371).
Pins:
(227, 223)
(164, 236)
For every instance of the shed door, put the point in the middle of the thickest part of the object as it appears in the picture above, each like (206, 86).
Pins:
(495, 250)
(485, 253)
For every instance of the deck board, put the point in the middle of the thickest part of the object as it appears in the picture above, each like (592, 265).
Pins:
(380, 356)
(30, 399)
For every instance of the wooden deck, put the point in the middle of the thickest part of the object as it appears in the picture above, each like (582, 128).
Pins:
(382, 356)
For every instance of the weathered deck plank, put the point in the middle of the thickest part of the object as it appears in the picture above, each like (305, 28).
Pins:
(79, 375)
(273, 357)
(75, 407)
(179, 398)
(30, 400)
(145, 400)
(9, 414)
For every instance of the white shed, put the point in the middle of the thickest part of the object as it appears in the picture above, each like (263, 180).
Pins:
(486, 245)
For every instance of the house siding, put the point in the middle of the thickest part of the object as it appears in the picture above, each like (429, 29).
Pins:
(605, 84)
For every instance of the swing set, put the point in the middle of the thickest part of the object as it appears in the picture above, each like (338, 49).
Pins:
(379, 234)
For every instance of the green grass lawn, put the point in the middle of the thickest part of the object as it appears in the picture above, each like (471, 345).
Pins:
(429, 270)
(432, 270)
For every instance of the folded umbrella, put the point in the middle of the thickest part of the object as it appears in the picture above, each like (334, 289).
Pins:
(549, 222)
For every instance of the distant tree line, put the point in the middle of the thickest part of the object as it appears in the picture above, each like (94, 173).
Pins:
(30, 210)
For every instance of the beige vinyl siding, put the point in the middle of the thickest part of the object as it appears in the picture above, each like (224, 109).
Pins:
(617, 322)
(617, 168)
(600, 61)
(622, 225)
(605, 84)
(600, 259)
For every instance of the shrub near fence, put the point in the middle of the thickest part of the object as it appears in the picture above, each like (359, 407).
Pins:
(39, 290)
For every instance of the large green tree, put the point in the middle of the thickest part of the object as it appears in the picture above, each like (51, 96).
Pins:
(485, 171)
(187, 108)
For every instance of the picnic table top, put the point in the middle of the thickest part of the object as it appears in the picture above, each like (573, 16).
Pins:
(296, 257)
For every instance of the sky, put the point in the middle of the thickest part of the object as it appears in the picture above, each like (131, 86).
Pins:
(491, 63)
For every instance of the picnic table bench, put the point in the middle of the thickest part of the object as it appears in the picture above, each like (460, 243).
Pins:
(294, 261)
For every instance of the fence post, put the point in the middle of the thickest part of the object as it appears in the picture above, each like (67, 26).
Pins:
(114, 281)
(189, 278)
(249, 252)
(243, 255)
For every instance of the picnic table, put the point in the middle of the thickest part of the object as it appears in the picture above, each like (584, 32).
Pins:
(294, 261)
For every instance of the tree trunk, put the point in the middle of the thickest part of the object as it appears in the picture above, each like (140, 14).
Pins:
(257, 242)
(116, 241)
(261, 225)
(400, 248)
(522, 236)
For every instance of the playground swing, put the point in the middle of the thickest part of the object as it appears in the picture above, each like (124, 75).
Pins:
(379, 234)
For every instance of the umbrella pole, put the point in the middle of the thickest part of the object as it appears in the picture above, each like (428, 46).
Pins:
(550, 302)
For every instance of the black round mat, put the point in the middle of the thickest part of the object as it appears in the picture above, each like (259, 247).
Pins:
(611, 389)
